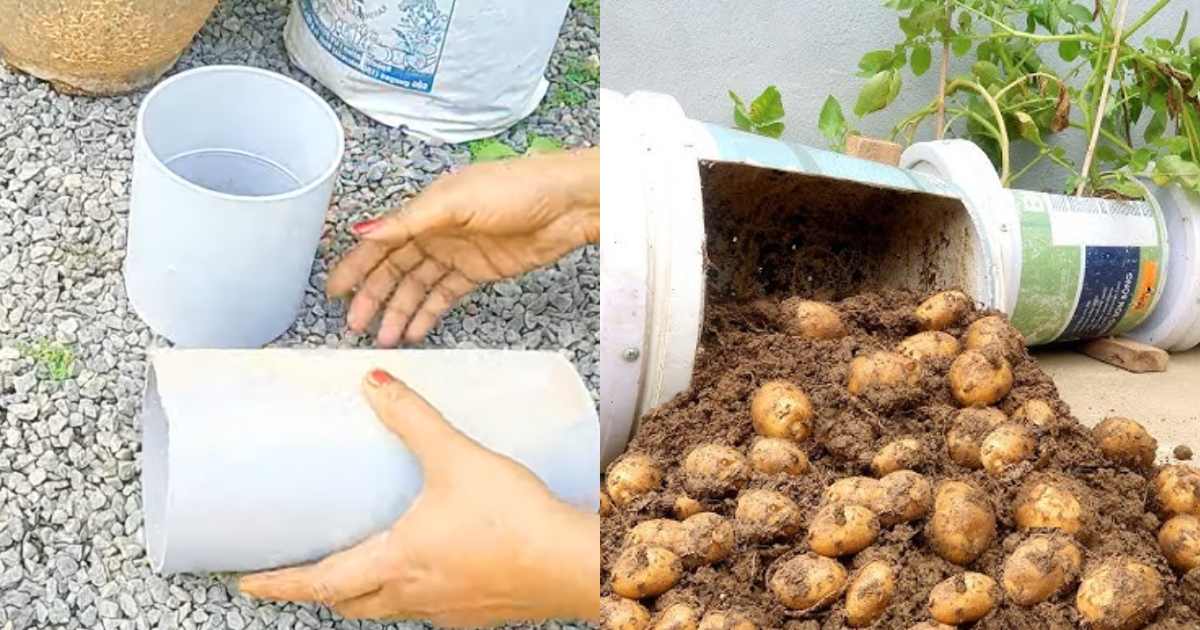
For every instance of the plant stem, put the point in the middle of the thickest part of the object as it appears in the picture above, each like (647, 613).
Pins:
(1017, 176)
(1001, 131)
(1099, 121)
(1150, 13)
(1010, 31)
(940, 120)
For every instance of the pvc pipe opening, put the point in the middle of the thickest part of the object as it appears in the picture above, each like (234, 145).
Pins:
(156, 444)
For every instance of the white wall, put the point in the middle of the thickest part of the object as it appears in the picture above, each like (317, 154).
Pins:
(698, 50)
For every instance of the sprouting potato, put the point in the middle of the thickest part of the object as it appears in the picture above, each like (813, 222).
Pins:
(1040, 568)
(618, 613)
(723, 620)
(678, 616)
(710, 538)
(766, 515)
(807, 582)
(645, 571)
(777, 455)
(1006, 446)
(812, 320)
(863, 491)
(686, 506)
(1036, 412)
(903, 496)
(1119, 594)
(902, 454)
(979, 381)
(1125, 442)
(1044, 503)
(964, 440)
(606, 506)
(882, 371)
(1178, 489)
(632, 476)
(870, 593)
(963, 598)
(995, 335)
(780, 409)
(840, 530)
(963, 524)
(1179, 539)
(714, 470)
(943, 310)
(931, 344)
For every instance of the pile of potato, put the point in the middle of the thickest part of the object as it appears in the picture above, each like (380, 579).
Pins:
(960, 523)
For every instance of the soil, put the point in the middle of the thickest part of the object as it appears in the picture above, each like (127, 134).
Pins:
(744, 345)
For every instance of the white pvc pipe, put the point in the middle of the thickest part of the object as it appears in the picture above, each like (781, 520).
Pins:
(232, 175)
(259, 459)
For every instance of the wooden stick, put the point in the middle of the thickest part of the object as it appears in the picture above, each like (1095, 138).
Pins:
(1112, 63)
(874, 149)
(1127, 354)
(939, 121)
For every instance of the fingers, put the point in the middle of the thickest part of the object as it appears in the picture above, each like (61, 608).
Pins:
(380, 284)
(415, 421)
(341, 576)
(351, 269)
(441, 298)
(409, 296)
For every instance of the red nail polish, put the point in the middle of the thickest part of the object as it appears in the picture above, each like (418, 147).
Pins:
(365, 227)
(379, 378)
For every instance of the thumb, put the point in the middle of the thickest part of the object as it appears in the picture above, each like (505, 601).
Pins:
(408, 415)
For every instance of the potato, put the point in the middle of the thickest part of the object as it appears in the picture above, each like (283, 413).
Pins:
(780, 409)
(1040, 568)
(1125, 442)
(964, 441)
(1042, 503)
(995, 335)
(931, 344)
(863, 491)
(766, 515)
(840, 530)
(645, 571)
(963, 598)
(606, 506)
(1178, 489)
(777, 455)
(1035, 411)
(710, 538)
(678, 616)
(1006, 446)
(932, 625)
(904, 496)
(812, 320)
(881, 371)
(714, 470)
(686, 506)
(632, 476)
(963, 524)
(659, 532)
(977, 381)
(721, 620)
(902, 454)
(618, 613)
(943, 310)
(807, 582)
(1119, 594)
(870, 593)
(1179, 539)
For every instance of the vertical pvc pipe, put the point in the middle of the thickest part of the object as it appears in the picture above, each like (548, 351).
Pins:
(232, 175)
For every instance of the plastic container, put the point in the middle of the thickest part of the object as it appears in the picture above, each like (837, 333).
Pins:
(232, 176)
(1175, 323)
(264, 458)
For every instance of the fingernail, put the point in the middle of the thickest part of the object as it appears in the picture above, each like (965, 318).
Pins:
(365, 227)
(379, 378)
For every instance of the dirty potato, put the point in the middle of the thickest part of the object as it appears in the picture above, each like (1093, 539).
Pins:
(931, 344)
(1178, 489)
(766, 515)
(903, 496)
(1119, 594)
(863, 491)
(618, 613)
(686, 506)
(606, 506)
(901, 454)
(1125, 442)
(943, 310)
(679, 616)
(713, 470)
(881, 371)
(632, 476)
(807, 582)
(1179, 539)
(995, 335)
(780, 409)
(659, 532)
(840, 530)
(977, 381)
(645, 571)
(1006, 446)
(1048, 504)
(870, 593)
(776, 455)
(723, 620)
(964, 440)
(963, 598)
(963, 524)
(1040, 568)
(710, 538)
(1036, 412)
(812, 320)
(932, 625)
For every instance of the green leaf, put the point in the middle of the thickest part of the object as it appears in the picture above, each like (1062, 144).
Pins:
(1027, 127)
(875, 61)
(542, 144)
(737, 100)
(740, 119)
(960, 44)
(1157, 125)
(1194, 46)
(490, 150)
(894, 87)
(1141, 159)
(1069, 50)
(987, 72)
(1078, 14)
(1175, 169)
(773, 130)
(768, 107)
(832, 121)
(920, 59)
(874, 94)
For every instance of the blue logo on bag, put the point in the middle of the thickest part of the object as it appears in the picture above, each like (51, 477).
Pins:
(397, 43)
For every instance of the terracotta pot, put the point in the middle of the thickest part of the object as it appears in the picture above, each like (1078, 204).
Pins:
(98, 46)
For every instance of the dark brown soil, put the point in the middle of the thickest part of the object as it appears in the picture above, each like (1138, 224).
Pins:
(744, 346)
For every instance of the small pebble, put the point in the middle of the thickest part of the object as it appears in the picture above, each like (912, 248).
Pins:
(1183, 452)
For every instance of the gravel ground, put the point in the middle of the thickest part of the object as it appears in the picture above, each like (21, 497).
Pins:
(71, 552)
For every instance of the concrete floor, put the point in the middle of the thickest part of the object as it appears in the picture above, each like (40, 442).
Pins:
(1167, 403)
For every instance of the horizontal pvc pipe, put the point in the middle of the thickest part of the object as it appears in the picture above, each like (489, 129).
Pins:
(260, 459)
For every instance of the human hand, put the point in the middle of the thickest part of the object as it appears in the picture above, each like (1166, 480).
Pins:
(484, 223)
(483, 543)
